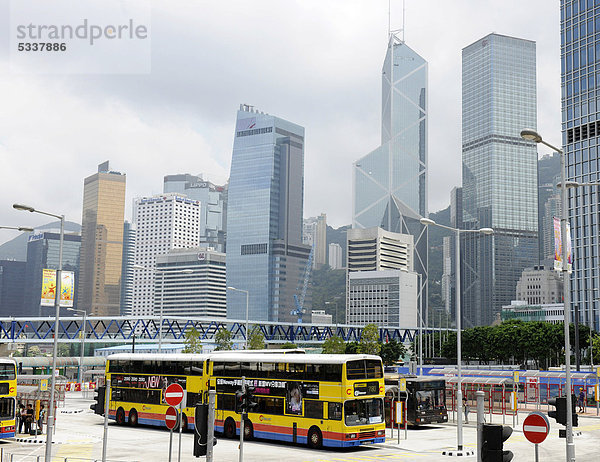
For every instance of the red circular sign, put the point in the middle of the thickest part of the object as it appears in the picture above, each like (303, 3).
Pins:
(536, 427)
(174, 394)
(171, 418)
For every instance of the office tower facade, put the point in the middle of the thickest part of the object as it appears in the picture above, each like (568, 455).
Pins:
(42, 253)
(382, 286)
(162, 222)
(200, 291)
(539, 285)
(499, 188)
(265, 254)
(127, 268)
(335, 256)
(12, 288)
(375, 249)
(213, 199)
(390, 183)
(102, 242)
(580, 130)
(314, 234)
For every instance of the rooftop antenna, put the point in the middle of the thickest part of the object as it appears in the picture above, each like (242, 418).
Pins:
(394, 32)
(389, 15)
(403, 17)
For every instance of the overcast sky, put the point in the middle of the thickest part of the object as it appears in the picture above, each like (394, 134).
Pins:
(313, 62)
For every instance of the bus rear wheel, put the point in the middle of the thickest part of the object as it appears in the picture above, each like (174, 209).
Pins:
(248, 430)
(229, 428)
(133, 418)
(120, 417)
(315, 438)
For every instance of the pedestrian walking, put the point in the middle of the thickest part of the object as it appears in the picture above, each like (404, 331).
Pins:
(466, 409)
(28, 418)
(41, 419)
(581, 400)
(20, 417)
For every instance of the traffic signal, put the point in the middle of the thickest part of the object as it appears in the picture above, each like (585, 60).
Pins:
(575, 417)
(98, 407)
(201, 429)
(494, 436)
(240, 402)
(250, 400)
(560, 414)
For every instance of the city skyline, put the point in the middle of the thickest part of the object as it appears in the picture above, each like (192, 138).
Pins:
(184, 127)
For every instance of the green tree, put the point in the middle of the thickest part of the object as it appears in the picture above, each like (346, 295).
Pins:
(64, 349)
(34, 351)
(192, 341)
(223, 339)
(334, 345)
(391, 352)
(352, 348)
(288, 346)
(256, 339)
(369, 340)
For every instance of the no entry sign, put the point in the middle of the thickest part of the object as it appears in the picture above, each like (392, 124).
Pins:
(171, 418)
(536, 427)
(174, 394)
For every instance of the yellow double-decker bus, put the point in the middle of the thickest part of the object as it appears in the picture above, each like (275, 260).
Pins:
(138, 383)
(8, 397)
(318, 400)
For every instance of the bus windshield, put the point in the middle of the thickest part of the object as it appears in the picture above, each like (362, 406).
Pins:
(7, 371)
(363, 411)
(430, 399)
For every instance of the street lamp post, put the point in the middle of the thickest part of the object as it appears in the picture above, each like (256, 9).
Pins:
(247, 295)
(532, 135)
(18, 228)
(81, 353)
(58, 289)
(459, 408)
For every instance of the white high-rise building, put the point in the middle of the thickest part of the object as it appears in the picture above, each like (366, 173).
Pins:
(163, 222)
(314, 233)
(335, 256)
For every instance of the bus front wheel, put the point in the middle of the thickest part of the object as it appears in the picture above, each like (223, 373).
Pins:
(120, 417)
(315, 438)
(229, 428)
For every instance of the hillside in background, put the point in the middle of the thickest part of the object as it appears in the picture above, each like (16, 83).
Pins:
(16, 249)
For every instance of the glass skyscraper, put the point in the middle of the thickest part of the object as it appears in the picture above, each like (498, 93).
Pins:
(102, 221)
(580, 84)
(499, 173)
(42, 253)
(390, 183)
(265, 254)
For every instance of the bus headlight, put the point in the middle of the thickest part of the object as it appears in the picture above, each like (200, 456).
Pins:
(350, 436)
(380, 432)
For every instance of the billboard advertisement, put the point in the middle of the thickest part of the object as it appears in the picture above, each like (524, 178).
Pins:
(558, 247)
(49, 288)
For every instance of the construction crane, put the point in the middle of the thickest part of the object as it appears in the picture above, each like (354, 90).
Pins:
(299, 300)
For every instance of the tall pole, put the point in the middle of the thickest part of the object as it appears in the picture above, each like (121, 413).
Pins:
(420, 325)
(81, 353)
(160, 321)
(58, 288)
(459, 426)
(570, 449)
(247, 331)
